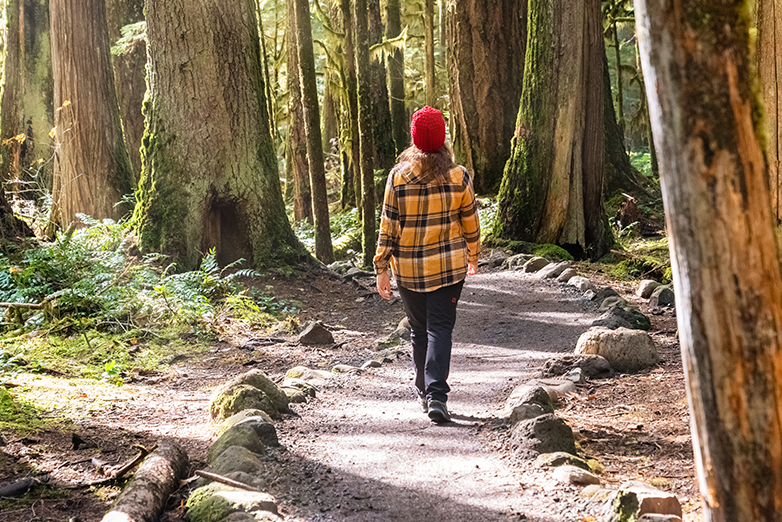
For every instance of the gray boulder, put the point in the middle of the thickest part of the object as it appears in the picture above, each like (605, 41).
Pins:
(236, 458)
(316, 333)
(529, 394)
(592, 366)
(258, 379)
(582, 284)
(625, 350)
(646, 287)
(544, 434)
(239, 435)
(497, 258)
(552, 270)
(265, 430)
(215, 502)
(566, 275)
(662, 296)
(603, 294)
(623, 314)
(534, 264)
(524, 412)
(230, 400)
(611, 301)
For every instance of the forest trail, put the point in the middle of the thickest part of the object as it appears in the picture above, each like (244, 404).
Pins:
(364, 451)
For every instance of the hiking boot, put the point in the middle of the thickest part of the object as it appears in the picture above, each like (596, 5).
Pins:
(424, 401)
(438, 412)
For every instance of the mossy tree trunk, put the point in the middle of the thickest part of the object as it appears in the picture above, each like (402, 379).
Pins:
(130, 71)
(487, 42)
(552, 190)
(210, 177)
(385, 151)
(769, 56)
(297, 166)
(350, 133)
(365, 127)
(92, 170)
(396, 78)
(430, 75)
(309, 98)
(330, 120)
(26, 107)
(723, 251)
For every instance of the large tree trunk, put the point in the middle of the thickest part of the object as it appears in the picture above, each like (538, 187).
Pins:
(297, 165)
(309, 98)
(396, 81)
(351, 142)
(365, 116)
(92, 170)
(27, 92)
(553, 184)
(385, 151)
(486, 64)
(210, 177)
(130, 71)
(769, 56)
(431, 75)
(723, 251)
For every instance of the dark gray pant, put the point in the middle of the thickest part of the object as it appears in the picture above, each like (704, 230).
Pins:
(432, 316)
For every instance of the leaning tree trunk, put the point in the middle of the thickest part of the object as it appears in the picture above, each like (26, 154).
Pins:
(385, 152)
(723, 249)
(553, 184)
(27, 92)
(210, 177)
(309, 97)
(130, 71)
(485, 63)
(431, 75)
(296, 164)
(92, 170)
(363, 76)
(769, 56)
(396, 78)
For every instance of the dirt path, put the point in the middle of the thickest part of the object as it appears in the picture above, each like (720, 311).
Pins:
(363, 451)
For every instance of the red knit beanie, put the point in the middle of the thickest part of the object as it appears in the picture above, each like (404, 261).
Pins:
(428, 129)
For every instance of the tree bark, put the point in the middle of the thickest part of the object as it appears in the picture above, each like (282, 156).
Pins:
(769, 57)
(92, 170)
(27, 93)
(365, 127)
(396, 73)
(158, 477)
(385, 151)
(723, 249)
(553, 184)
(431, 75)
(297, 164)
(309, 98)
(351, 143)
(486, 64)
(210, 177)
(130, 75)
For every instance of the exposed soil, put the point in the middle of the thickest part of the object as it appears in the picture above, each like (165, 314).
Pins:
(362, 450)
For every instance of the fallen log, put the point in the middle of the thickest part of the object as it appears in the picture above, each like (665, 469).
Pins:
(158, 477)
(16, 489)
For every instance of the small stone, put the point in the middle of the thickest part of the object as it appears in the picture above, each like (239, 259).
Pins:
(371, 364)
(662, 296)
(556, 388)
(497, 258)
(552, 270)
(573, 475)
(625, 350)
(314, 377)
(604, 293)
(534, 264)
(404, 323)
(567, 275)
(582, 283)
(646, 287)
(296, 395)
(316, 333)
(592, 366)
(611, 301)
(344, 368)
(589, 295)
(560, 458)
(576, 376)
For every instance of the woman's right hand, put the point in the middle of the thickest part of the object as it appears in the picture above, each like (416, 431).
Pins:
(472, 269)
(384, 285)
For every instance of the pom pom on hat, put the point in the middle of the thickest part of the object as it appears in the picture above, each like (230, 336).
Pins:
(428, 129)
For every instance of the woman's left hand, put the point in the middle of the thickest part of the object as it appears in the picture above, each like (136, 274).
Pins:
(472, 269)
(384, 285)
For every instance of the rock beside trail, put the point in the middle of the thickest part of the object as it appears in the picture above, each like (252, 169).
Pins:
(592, 366)
(534, 264)
(543, 392)
(603, 294)
(646, 287)
(497, 258)
(235, 419)
(560, 458)
(662, 296)
(312, 377)
(516, 261)
(635, 499)
(316, 333)
(582, 284)
(527, 402)
(567, 275)
(236, 458)
(544, 434)
(552, 270)
(623, 314)
(258, 421)
(654, 517)
(572, 475)
(239, 435)
(214, 502)
(252, 390)
(625, 350)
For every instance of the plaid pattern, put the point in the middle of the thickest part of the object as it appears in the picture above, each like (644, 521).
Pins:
(429, 230)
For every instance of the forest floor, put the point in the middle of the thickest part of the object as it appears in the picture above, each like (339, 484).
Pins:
(362, 450)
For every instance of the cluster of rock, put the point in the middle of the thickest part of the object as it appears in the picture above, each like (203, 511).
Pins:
(617, 341)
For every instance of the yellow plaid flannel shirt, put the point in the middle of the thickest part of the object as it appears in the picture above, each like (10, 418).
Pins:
(429, 229)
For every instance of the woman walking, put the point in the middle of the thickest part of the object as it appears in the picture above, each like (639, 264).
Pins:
(430, 238)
